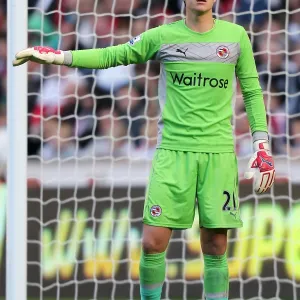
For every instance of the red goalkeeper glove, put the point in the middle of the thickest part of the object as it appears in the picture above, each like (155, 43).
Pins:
(261, 167)
(43, 55)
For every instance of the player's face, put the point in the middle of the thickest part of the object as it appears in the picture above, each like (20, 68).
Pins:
(201, 6)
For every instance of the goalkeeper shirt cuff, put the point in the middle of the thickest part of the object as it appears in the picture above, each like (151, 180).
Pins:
(260, 135)
(68, 58)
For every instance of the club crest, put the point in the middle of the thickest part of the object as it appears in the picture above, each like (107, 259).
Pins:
(155, 211)
(223, 52)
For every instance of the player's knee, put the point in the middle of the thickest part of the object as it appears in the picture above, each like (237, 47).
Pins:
(214, 242)
(152, 245)
(214, 248)
(155, 239)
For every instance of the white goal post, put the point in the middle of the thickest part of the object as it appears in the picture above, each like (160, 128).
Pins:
(16, 234)
(74, 204)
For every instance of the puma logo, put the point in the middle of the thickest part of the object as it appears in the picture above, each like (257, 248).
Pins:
(233, 214)
(182, 52)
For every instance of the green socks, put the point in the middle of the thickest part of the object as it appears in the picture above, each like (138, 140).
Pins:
(216, 278)
(152, 275)
(153, 271)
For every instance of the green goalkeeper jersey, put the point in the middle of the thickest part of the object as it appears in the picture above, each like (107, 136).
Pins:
(197, 81)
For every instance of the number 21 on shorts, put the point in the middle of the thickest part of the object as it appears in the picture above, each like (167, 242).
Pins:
(226, 206)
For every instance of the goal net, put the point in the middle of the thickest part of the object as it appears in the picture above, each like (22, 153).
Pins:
(91, 138)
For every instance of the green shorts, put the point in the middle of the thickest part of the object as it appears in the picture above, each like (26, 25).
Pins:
(179, 178)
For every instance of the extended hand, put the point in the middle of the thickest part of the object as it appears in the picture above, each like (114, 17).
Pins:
(41, 55)
(261, 167)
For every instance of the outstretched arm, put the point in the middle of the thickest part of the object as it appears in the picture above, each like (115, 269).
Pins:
(139, 50)
(261, 164)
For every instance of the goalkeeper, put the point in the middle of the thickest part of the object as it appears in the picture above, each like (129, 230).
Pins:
(200, 57)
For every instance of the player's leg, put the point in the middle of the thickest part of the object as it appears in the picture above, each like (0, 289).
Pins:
(218, 210)
(216, 279)
(153, 261)
(170, 203)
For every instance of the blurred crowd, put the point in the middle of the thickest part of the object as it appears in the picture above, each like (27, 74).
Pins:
(114, 112)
